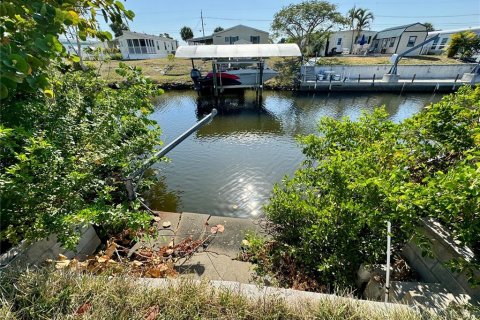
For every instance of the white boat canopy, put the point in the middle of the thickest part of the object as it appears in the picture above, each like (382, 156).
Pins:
(238, 51)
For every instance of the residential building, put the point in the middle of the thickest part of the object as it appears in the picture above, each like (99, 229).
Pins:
(341, 41)
(399, 39)
(235, 35)
(439, 45)
(135, 46)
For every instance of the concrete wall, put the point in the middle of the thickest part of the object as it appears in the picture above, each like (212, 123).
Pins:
(433, 269)
(242, 32)
(448, 71)
(49, 248)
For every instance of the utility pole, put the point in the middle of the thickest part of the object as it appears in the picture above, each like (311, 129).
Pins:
(201, 17)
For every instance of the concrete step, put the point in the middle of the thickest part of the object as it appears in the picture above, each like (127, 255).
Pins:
(428, 295)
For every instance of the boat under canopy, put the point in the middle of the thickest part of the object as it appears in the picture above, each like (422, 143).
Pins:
(237, 66)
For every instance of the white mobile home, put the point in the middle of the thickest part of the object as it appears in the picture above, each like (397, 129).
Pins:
(136, 46)
(341, 41)
(235, 35)
(399, 39)
(439, 45)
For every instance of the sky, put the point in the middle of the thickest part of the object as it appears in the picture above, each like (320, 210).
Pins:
(155, 17)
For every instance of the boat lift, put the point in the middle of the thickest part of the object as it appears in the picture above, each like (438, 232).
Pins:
(393, 69)
(150, 161)
(237, 54)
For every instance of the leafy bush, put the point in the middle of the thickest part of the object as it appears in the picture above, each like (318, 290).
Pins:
(63, 158)
(116, 56)
(30, 30)
(465, 43)
(331, 215)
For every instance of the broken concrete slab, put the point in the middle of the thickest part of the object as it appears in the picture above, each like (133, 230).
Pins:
(229, 242)
(192, 224)
(49, 248)
(211, 266)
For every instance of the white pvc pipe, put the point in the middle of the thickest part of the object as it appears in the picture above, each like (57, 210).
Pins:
(387, 281)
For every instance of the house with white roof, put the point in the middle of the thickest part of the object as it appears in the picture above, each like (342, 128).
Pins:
(439, 45)
(239, 34)
(136, 46)
(399, 39)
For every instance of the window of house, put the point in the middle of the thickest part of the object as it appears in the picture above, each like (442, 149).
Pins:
(369, 39)
(411, 41)
(339, 41)
(255, 39)
(442, 44)
(392, 42)
(158, 46)
(434, 43)
(136, 45)
(165, 45)
(231, 40)
(131, 49)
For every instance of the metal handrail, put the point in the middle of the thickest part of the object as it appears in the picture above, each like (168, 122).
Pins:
(147, 163)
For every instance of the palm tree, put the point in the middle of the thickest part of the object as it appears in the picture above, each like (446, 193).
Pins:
(364, 18)
(351, 17)
(359, 19)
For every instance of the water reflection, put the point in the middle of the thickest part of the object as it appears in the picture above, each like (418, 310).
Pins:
(229, 167)
(237, 113)
(159, 197)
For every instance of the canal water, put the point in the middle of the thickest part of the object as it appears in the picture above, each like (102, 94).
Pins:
(229, 167)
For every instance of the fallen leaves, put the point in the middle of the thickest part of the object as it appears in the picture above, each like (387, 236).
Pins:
(144, 261)
(83, 308)
(218, 228)
(152, 313)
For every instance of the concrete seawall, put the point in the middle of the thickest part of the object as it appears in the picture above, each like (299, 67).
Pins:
(445, 71)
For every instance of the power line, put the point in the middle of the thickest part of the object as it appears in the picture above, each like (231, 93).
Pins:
(449, 16)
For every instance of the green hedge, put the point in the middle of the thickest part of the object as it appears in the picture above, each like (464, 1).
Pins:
(331, 215)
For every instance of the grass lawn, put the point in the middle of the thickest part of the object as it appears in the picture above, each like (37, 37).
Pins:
(50, 294)
(360, 60)
(165, 71)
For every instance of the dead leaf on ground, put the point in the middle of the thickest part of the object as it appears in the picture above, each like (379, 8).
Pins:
(214, 230)
(102, 259)
(157, 219)
(61, 257)
(137, 263)
(84, 308)
(152, 313)
(111, 247)
(158, 271)
(167, 224)
(62, 264)
(220, 228)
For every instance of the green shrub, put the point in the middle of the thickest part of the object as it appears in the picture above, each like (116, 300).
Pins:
(63, 158)
(465, 43)
(331, 215)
